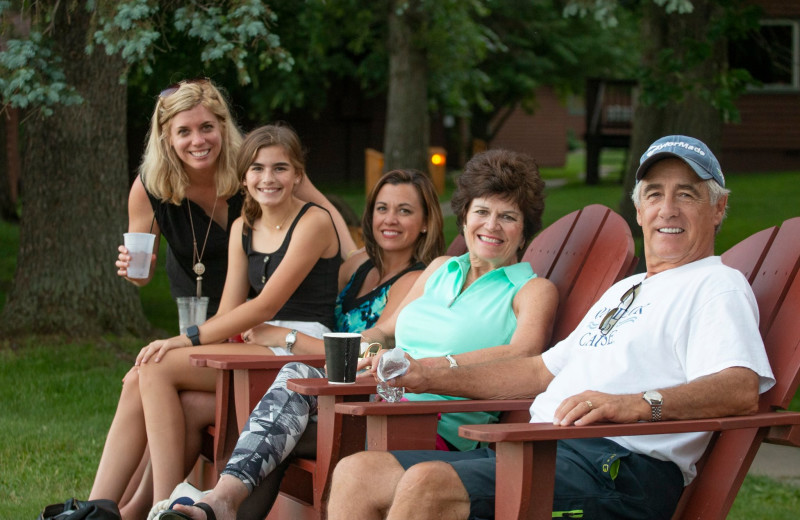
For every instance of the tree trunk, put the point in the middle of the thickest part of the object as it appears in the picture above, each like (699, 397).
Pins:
(9, 164)
(693, 115)
(74, 204)
(407, 124)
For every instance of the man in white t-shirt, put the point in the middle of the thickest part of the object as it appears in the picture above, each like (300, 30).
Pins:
(680, 341)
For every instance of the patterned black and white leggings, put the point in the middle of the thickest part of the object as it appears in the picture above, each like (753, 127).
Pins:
(274, 427)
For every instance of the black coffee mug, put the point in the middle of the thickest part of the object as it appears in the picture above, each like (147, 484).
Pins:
(341, 356)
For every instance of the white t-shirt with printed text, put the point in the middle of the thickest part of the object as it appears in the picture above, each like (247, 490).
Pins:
(685, 323)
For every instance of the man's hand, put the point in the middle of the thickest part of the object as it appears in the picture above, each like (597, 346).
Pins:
(591, 407)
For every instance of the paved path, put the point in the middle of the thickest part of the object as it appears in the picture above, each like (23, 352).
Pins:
(779, 462)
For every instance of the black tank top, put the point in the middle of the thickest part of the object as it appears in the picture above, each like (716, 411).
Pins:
(173, 220)
(315, 297)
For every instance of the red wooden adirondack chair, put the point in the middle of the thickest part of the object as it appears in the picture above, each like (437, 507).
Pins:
(241, 383)
(457, 247)
(770, 260)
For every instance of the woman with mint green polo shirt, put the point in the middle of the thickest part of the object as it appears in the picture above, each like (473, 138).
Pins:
(484, 304)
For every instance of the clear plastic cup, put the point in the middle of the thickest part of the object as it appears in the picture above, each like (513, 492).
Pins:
(140, 247)
(191, 311)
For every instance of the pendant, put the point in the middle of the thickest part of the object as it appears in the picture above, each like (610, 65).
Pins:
(199, 286)
(199, 268)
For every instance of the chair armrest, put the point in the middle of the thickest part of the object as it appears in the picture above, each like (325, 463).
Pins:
(434, 407)
(320, 386)
(545, 431)
(252, 361)
(526, 453)
(786, 435)
(412, 425)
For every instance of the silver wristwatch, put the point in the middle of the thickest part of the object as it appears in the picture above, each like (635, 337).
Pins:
(291, 338)
(655, 400)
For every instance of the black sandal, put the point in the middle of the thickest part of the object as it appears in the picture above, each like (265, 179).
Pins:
(177, 515)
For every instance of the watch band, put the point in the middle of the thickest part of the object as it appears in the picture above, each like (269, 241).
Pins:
(655, 400)
(193, 333)
(452, 360)
(655, 412)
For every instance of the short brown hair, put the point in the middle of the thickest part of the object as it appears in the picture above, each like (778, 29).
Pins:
(510, 175)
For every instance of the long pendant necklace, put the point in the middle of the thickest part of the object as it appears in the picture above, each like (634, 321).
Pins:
(197, 258)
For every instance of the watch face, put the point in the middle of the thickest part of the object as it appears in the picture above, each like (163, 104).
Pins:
(653, 397)
(291, 338)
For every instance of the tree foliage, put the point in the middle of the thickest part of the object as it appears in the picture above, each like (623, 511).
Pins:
(31, 68)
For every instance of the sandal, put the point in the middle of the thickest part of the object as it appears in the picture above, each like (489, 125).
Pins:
(177, 515)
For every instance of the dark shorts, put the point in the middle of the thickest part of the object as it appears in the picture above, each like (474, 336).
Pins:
(595, 478)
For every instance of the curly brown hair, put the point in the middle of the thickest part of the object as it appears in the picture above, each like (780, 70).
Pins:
(511, 175)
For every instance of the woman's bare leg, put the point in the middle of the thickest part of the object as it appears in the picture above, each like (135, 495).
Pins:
(198, 409)
(166, 431)
(125, 443)
(135, 481)
(141, 496)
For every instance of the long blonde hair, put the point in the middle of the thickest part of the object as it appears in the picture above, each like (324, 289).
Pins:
(161, 169)
(277, 134)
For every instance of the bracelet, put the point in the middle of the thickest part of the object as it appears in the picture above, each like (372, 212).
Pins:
(452, 360)
(367, 349)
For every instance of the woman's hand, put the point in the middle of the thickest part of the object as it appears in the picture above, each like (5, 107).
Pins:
(266, 335)
(415, 380)
(158, 348)
(124, 261)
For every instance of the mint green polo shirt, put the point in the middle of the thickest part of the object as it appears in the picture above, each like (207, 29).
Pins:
(445, 320)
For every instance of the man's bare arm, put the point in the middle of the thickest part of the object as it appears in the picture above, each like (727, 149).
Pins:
(732, 391)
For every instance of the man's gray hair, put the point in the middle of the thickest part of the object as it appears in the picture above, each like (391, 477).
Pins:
(715, 192)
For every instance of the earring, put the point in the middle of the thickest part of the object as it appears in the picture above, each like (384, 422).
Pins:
(424, 231)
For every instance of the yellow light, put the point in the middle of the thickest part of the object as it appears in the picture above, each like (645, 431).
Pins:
(437, 159)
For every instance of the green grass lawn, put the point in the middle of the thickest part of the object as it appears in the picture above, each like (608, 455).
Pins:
(57, 399)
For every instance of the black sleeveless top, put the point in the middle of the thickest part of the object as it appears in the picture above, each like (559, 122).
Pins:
(315, 296)
(173, 220)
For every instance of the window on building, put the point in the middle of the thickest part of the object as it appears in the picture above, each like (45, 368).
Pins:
(771, 55)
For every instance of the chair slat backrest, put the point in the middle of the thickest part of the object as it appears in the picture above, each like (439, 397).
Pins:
(777, 289)
(583, 254)
(770, 260)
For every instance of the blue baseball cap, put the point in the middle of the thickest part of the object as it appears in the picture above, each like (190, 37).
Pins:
(693, 152)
